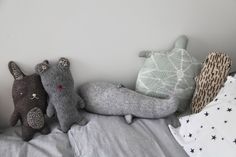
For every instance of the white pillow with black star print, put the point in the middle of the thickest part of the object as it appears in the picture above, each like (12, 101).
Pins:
(212, 132)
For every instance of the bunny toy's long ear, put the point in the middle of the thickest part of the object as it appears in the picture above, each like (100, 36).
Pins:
(15, 71)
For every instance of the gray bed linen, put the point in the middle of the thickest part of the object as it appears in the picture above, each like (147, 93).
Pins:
(111, 136)
(55, 144)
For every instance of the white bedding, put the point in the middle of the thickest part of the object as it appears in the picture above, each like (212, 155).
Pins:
(111, 136)
(212, 132)
(55, 144)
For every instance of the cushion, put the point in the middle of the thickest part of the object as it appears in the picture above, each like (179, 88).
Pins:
(210, 80)
(213, 129)
(114, 99)
(169, 72)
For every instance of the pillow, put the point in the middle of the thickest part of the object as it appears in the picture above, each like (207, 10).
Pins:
(213, 129)
(111, 99)
(210, 80)
(169, 72)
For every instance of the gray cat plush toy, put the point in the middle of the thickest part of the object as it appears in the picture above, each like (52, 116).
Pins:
(63, 100)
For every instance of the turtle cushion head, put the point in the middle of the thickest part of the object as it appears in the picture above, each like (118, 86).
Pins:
(63, 100)
(30, 101)
(169, 72)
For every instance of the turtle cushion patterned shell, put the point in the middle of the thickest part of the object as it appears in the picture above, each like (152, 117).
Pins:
(214, 73)
(165, 73)
(30, 100)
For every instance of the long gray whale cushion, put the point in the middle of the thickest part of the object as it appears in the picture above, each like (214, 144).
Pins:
(113, 99)
(167, 72)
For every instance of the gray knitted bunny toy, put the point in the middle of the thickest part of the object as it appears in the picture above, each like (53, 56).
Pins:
(63, 100)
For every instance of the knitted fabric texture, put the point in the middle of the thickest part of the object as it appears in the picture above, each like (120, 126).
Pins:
(30, 100)
(114, 99)
(63, 100)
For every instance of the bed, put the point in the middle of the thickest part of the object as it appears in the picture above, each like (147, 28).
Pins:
(210, 132)
(55, 144)
(103, 136)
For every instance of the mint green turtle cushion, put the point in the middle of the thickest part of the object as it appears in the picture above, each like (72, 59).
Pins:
(169, 72)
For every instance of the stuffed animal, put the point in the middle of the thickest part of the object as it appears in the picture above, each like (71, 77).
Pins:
(63, 100)
(30, 100)
(111, 99)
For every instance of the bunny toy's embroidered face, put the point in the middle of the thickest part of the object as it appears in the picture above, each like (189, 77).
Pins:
(27, 89)
(30, 100)
(56, 78)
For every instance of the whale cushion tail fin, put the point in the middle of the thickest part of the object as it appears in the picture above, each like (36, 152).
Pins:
(129, 118)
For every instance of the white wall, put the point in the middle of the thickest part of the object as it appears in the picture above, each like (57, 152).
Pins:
(103, 37)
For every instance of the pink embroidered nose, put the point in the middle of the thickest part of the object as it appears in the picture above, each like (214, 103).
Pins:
(60, 87)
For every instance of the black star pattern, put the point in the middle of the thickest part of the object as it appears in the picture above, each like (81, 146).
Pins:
(216, 99)
(225, 121)
(234, 141)
(213, 127)
(200, 149)
(218, 108)
(187, 121)
(189, 135)
(229, 109)
(213, 137)
(192, 150)
(222, 138)
(225, 95)
(206, 114)
(235, 98)
(201, 126)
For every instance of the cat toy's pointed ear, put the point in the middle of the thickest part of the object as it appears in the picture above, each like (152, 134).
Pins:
(15, 71)
(63, 63)
(42, 67)
(46, 61)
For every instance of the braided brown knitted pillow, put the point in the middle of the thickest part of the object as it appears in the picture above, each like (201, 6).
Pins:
(210, 80)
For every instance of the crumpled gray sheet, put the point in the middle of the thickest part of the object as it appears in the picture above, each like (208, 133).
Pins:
(55, 144)
(111, 136)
